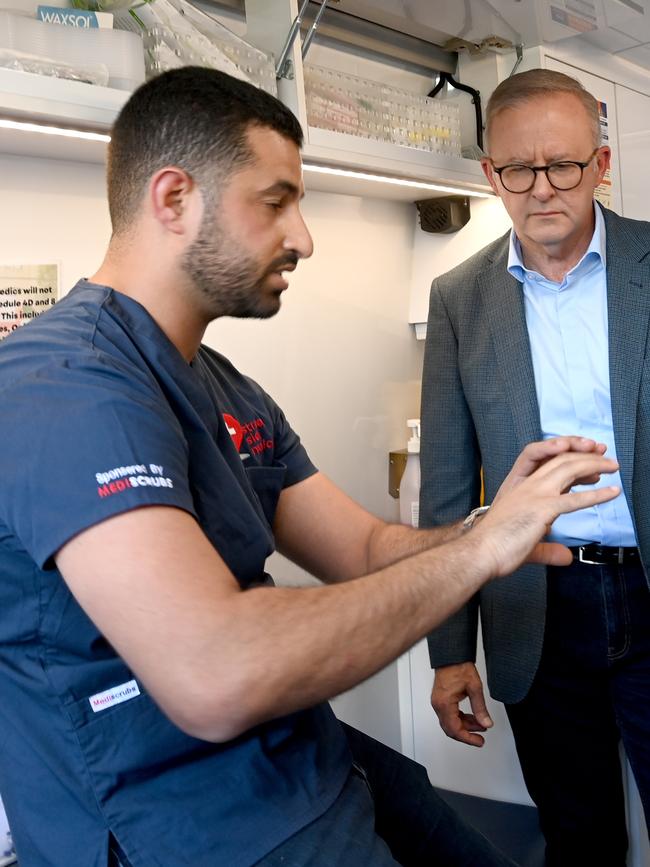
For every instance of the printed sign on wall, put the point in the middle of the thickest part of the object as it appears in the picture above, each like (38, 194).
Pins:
(25, 291)
(603, 192)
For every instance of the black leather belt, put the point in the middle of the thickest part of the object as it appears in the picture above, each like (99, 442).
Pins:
(603, 555)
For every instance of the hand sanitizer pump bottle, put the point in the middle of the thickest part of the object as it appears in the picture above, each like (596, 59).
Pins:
(409, 489)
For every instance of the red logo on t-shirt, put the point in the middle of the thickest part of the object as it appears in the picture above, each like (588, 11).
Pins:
(235, 430)
(250, 432)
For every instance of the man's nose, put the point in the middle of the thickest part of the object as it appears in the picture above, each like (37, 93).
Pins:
(542, 188)
(299, 237)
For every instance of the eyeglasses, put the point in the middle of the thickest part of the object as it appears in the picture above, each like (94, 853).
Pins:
(562, 175)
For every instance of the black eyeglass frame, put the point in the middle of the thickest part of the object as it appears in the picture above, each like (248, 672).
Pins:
(582, 166)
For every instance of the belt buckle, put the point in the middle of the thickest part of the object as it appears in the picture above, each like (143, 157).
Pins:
(582, 559)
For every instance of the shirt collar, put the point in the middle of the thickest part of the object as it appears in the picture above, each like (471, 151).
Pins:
(596, 249)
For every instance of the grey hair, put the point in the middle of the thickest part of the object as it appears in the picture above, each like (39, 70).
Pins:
(538, 83)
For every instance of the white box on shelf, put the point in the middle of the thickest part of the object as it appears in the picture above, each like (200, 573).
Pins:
(121, 52)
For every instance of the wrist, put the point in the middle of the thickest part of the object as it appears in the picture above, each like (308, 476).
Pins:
(476, 558)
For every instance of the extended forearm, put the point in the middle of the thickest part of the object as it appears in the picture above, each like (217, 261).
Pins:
(390, 543)
(240, 657)
(324, 640)
(291, 648)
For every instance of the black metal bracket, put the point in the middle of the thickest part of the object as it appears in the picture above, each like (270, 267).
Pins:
(448, 78)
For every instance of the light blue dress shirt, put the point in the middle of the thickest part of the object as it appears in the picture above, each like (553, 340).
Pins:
(568, 331)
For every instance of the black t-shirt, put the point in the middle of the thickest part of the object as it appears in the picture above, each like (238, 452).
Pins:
(100, 414)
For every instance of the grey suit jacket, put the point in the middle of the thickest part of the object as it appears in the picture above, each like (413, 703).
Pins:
(479, 408)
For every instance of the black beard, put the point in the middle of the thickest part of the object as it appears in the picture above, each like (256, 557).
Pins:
(231, 284)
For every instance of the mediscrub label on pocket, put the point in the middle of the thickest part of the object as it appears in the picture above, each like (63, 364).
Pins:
(115, 695)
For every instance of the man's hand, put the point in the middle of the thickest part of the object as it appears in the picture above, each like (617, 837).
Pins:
(536, 490)
(452, 684)
(534, 493)
(538, 453)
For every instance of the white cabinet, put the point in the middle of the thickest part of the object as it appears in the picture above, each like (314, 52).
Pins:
(268, 22)
(79, 106)
(605, 93)
(633, 110)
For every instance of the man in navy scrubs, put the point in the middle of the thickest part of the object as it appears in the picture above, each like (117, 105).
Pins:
(163, 703)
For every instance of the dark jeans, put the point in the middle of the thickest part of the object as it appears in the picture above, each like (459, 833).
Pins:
(591, 691)
(387, 814)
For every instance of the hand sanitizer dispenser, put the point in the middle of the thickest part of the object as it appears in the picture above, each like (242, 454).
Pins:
(409, 489)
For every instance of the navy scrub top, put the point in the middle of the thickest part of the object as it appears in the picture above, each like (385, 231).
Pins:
(99, 414)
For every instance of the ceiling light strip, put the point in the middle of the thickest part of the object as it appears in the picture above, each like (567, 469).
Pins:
(400, 182)
(23, 126)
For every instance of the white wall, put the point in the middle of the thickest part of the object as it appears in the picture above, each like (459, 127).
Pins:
(53, 211)
(340, 357)
(434, 255)
(633, 140)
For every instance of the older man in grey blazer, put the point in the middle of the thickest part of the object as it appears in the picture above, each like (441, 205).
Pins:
(545, 332)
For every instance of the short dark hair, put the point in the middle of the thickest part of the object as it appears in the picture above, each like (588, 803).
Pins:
(535, 83)
(194, 118)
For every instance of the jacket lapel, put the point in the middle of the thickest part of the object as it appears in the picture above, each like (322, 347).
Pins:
(504, 304)
(628, 309)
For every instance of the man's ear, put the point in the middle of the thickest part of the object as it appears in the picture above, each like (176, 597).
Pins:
(603, 158)
(486, 165)
(172, 197)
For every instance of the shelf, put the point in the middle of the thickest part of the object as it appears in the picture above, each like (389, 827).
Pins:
(48, 99)
(57, 102)
(343, 151)
(75, 105)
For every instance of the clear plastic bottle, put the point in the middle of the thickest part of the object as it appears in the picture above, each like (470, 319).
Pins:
(409, 488)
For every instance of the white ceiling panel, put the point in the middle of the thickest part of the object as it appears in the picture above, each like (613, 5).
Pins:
(618, 26)
(629, 16)
(639, 55)
(528, 21)
(612, 40)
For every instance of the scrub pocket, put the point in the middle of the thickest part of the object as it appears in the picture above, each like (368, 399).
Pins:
(267, 483)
